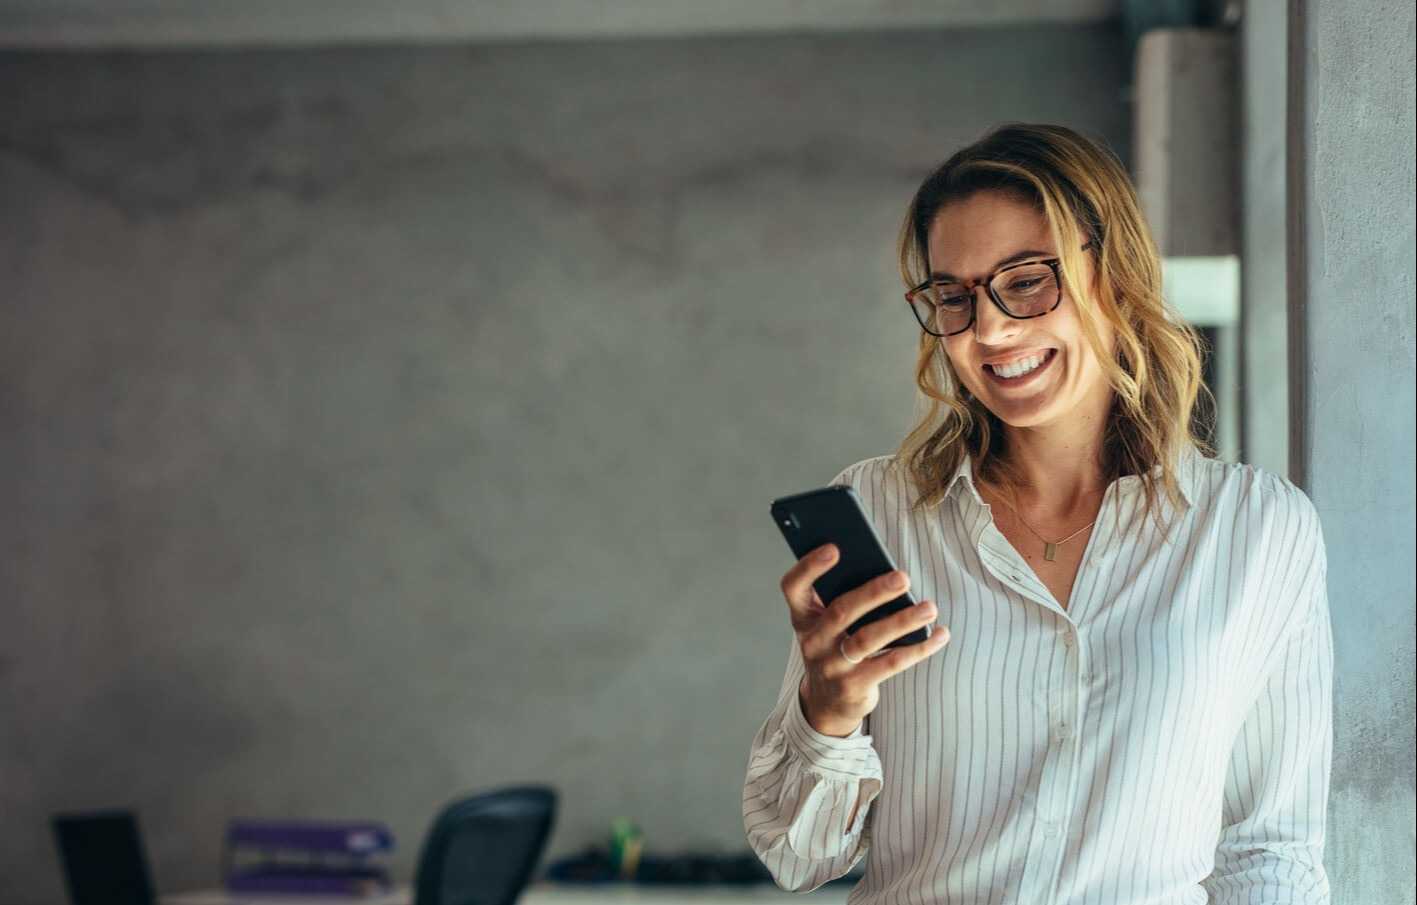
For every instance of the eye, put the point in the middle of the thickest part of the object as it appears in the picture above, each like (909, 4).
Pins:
(1026, 281)
(1024, 284)
(951, 297)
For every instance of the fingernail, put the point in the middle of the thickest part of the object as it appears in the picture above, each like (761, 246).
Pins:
(825, 553)
(898, 581)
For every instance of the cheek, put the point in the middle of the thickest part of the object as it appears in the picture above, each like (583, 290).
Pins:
(1083, 351)
(958, 362)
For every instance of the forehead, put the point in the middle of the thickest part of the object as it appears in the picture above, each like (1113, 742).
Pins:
(968, 237)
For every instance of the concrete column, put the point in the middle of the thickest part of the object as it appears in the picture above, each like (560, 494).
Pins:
(1351, 189)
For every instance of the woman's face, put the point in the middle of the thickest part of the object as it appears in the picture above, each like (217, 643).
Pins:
(969, 240)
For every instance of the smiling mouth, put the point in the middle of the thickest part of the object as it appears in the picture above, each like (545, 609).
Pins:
(1026, 376)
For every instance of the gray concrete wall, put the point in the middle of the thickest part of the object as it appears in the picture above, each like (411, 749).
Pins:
(1351, 193)
(389, 424)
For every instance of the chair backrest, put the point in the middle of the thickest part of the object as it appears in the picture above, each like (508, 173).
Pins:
(102, 854)
(481, 850)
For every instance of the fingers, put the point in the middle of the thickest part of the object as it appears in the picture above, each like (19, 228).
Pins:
(874, 637)
(852, 605)
(878, 669)
(797, 582)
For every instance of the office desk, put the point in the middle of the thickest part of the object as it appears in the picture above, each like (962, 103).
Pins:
(554, 894)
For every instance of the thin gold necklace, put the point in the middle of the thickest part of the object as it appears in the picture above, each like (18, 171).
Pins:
(1050, 548)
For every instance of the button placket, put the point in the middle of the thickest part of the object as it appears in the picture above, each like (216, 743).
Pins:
(1049, 811)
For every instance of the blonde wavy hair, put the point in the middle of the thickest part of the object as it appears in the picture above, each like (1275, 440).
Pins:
(1085, 194)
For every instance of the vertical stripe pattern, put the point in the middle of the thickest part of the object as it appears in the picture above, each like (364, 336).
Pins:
(1165, 739)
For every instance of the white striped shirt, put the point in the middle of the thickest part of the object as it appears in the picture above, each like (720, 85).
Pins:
(1165, 740)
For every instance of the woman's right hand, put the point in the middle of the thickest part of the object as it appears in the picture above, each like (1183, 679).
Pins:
(837, 695)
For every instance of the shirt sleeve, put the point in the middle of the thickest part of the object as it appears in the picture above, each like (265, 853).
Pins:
(1271, 845)
(799, 791)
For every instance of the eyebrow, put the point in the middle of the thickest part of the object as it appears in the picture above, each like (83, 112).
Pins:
(1017, 256)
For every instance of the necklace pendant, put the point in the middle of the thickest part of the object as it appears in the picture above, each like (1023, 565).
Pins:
(1049, 550)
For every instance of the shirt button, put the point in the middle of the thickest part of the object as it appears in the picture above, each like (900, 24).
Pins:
(1061, 733)
(1050, 830)
(1067, 638)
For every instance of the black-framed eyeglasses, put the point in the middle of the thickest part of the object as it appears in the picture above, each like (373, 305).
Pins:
(1023, 290)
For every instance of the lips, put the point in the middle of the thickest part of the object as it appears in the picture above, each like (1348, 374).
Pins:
(1026, 378)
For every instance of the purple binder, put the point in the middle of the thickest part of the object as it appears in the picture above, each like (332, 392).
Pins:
(305, 856)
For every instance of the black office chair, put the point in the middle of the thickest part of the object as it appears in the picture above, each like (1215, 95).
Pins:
(481, 850)
(103, 859)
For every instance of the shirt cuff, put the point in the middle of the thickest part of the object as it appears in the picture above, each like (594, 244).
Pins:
(849, 757)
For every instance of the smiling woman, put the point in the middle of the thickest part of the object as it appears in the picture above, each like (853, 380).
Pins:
(1118, 709)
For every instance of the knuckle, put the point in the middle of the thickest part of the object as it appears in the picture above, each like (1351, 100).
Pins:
(839, 620)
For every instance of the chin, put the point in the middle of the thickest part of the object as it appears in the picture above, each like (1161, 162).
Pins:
(1025, 416)
(1025, 421)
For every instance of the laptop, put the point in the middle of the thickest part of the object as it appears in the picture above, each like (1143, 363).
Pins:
(103, 860)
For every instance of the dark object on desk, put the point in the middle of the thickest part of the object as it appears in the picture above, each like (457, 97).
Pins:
(102, 854)
(595, 865)
(482, 850)
(329, 856)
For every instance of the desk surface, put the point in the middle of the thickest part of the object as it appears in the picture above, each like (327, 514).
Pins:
(552, 894)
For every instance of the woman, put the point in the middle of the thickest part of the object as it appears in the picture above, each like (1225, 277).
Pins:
(1129, 696)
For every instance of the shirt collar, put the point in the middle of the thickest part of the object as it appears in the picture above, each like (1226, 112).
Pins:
(964, 476)
(1186, 477)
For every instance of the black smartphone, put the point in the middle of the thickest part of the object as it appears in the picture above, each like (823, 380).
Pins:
(834, 515)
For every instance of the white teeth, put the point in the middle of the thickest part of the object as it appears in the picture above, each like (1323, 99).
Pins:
(1020, 367)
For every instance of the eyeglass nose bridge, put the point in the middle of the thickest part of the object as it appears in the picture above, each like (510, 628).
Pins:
(993, 297)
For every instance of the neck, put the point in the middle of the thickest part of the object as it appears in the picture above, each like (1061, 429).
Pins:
(1061, 464)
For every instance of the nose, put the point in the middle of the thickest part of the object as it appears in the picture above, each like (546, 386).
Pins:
(992, 327)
